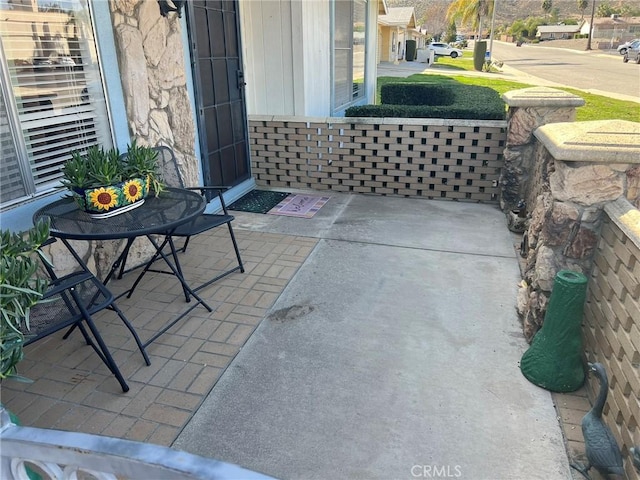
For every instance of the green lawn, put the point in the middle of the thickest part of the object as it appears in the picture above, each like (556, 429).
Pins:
(597, 107)
(461, 63)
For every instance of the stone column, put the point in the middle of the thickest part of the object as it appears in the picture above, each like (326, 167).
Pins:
(529, 109)
(579, 167)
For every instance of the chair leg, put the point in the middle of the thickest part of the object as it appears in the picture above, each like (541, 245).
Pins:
(239, 268)
(133, 332)
(106, 355)
(184, 246)
(102, 350)
(235, 247)
(176, 263)
(123, 258)
(83, 330)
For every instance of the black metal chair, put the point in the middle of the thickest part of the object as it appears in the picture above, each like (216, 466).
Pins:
(173, 177)
(71, 301)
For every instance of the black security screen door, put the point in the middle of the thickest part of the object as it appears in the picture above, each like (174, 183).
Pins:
(217, 66)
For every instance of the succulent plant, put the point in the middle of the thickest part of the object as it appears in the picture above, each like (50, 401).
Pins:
(97, 167)
(142, 161)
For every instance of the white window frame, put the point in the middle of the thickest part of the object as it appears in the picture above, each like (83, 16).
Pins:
(339, 108)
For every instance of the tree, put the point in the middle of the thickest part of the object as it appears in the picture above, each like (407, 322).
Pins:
(434, 18)
(593, 12)
(532, 24)
(516, 29)
(450, 35)
(547, 5)
(605, 10)
(582, 6)
(470, 12)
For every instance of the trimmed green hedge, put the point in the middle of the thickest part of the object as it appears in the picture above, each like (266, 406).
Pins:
(419, 100)
(415, 94)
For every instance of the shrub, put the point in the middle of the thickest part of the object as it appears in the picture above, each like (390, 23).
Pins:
(435, 101)
(415, 94)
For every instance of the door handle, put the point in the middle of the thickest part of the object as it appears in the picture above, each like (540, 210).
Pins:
(241, 82)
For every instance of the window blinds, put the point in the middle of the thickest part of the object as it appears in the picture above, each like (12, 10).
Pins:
(55, 81)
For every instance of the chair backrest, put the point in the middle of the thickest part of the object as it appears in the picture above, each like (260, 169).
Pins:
(169, 169)
(171, 175)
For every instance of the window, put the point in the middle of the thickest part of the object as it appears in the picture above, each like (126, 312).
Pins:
(349, 40)
(51, 96)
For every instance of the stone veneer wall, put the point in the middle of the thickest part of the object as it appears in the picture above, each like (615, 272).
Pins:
(429, 158)
(151, 60)
(611, 324)
(567, 198)
(529, 108)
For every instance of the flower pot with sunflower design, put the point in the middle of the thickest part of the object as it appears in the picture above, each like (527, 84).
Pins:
(109, 200)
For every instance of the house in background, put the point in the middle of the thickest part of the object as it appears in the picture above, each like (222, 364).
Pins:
(394, 29)
(556, 32)
(612, 31)
(97, 72)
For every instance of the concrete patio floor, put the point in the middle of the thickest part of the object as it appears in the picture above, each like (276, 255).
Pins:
(378, 339)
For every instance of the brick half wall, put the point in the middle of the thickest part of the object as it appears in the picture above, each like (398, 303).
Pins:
(612, 322)
(427, 158)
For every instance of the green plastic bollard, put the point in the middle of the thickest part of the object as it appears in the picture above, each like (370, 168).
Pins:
(554, 359)
(479, 49)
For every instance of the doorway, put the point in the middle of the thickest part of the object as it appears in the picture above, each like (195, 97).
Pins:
(214, 37)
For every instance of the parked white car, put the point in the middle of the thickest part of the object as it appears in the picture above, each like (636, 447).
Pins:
(445, 49)
(622, 49)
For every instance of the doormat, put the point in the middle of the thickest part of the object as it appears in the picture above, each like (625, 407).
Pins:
(258, 201)
(305, 206)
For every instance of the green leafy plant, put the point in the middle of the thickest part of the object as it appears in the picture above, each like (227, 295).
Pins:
(98, 167)
(95, 168)
(142, 161)
(20, 289)
(105, 166)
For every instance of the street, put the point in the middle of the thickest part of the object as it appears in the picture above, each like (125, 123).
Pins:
(595, 71)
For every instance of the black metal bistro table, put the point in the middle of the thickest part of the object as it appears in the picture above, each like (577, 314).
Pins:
(158, 215)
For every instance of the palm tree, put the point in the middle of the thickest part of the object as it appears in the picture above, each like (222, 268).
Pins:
(593, 13)
(470, 12)
(582, 6)
(547, 5)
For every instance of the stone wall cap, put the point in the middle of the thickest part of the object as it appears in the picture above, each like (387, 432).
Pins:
(602, 141)
(627, 217)
(541, 97)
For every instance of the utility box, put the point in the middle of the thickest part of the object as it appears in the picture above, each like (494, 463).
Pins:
(410, 52)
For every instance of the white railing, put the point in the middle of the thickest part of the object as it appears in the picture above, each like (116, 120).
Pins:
(59, 455)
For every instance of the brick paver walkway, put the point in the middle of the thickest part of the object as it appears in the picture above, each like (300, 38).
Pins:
(73, 390)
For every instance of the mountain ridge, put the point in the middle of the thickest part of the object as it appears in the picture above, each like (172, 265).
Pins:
(507, 10)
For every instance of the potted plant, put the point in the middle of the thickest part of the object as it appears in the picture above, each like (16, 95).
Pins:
(142, 161)
(105, 183)
(20, 289)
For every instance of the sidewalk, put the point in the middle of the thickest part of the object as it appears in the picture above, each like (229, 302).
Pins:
(392, 353)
